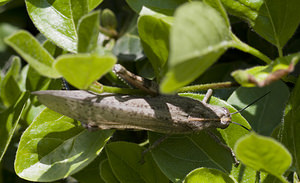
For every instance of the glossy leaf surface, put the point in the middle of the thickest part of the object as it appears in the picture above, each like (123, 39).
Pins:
(55, 147)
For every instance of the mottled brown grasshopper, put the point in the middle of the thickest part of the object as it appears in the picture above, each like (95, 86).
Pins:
(168, 114)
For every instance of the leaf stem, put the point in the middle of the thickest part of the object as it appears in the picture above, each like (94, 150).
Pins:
(280, 53)
(248, 49)
(202, 87)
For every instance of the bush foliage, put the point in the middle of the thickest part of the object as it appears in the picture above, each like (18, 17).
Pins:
(242, 49)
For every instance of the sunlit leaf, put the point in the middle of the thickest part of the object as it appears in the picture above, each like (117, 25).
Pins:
(199, 36)
(56, 147)
(82, 70)
(264, 154)
(206, 175)
(31, 50)
(265, 75)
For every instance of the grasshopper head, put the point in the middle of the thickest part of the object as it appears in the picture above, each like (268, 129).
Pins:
(225, 118)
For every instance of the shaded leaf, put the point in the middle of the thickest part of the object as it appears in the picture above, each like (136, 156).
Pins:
(154, 33)
(289, 133)
(56, 147)
(207, 175)
(88, 31)
(90, 174)
(9, 120)
(108, 19)
(277, 21)
(199, 36)
(107, 173)
(166, 7)
(265, 75)
(82, 70)
(267, 113)
(179, 154)
(9, 89)
(263, 154)
(124, 159)
(31, 50)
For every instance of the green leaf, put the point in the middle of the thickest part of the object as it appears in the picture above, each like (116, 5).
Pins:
(266, 114)
(6, 29)
(264, 75)
(108, 19)
(277, 21)
(166, 7)
(3, 2)
(82, 70)
(57, 20)
(90, 174)
(78, 9)
(107, 173)
(245, 9)
(9, 120)
(31, 50)
(52, 48)
(128, 48)
(179, 154)
(92, 4)
(9, 89)
(124, 159)
(154, 33)
(34, 81)
(264, 154)
(88, 31)
(206, 175)
(220, 8)
(55, 147)
(290, 131)
(199, 36)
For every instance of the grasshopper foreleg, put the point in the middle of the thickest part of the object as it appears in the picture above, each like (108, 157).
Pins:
(155, 144)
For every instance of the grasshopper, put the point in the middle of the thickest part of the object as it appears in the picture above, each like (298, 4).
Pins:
(167, 114)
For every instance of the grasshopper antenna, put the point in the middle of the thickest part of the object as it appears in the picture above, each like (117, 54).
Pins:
(246, 108)
(241, 126)
(250, 104)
